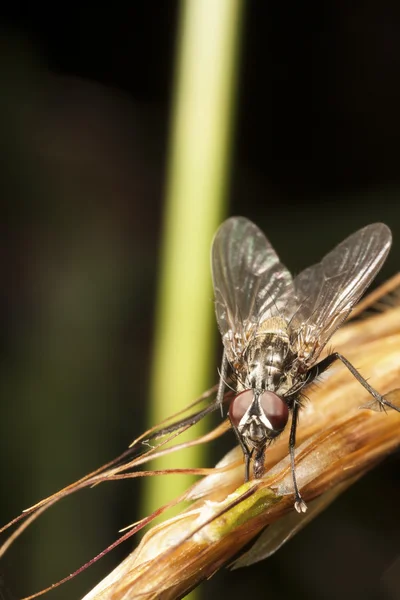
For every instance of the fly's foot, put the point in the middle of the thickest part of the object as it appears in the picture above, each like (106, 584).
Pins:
(300, 505)
(380, 404)
(375, 405)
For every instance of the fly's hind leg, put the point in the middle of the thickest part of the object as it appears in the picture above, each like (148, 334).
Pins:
(378, 403)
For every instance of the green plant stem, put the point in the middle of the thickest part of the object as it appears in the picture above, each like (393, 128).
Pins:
(197, 173)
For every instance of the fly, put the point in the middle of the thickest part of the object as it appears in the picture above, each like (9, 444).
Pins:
(274, 328)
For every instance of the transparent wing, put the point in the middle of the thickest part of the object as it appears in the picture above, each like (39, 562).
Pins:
(248, 281)
(325, 293)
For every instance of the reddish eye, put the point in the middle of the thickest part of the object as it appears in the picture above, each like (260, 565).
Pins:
(239, 406)
(275, 410)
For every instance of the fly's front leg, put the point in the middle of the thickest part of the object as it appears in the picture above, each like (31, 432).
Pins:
(299, 503)
(379, 402)
(222, 378)
(247, 453)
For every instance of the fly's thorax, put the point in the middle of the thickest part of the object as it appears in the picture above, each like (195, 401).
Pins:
(237, 341)
(269, 358)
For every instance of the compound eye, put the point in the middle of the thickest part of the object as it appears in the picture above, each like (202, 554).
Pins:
(275, 409)
(239, 406)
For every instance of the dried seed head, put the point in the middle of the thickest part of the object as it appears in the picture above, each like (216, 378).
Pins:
(338, 443)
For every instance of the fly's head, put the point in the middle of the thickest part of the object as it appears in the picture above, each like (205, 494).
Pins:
(259, 416)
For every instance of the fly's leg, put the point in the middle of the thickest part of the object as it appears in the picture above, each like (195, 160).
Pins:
(247, 457)
(258, 465)
(299, 503)
(222, 378)
(247, 453)
(379, 402)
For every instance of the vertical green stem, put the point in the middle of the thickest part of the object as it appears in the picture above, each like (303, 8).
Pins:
(206, 68)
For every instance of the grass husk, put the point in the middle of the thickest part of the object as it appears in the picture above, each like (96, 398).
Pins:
(337, 444)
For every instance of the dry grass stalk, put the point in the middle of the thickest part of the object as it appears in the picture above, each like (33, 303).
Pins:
(337, 444)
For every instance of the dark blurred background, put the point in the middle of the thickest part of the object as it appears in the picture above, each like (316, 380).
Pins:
(84, 114)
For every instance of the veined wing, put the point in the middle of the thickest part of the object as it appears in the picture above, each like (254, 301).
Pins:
(248, 281)
(326, 292)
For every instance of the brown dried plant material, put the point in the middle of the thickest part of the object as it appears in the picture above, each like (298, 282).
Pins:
(337, 444)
